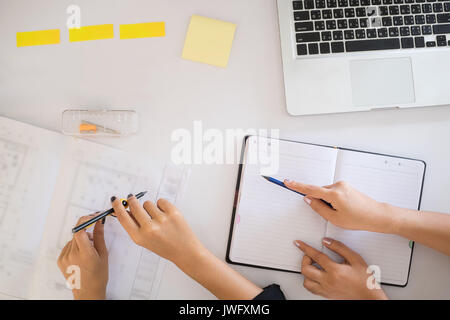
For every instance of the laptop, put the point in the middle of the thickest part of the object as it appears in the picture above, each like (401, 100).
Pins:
(360, 55)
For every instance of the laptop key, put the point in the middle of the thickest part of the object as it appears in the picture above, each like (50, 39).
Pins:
(419, 42)
(337, 35)
(407, 43)
(301, 15)
(426, 30)
(387, 21)
(301, 49)
(383, 10)
(420, 19)
(394, 10)
(308, 37)
(363, 22)
(309, 4)
(304, 26)
(443, 17)
(342, 24)
(353, 23)
(349, 34)
(371, 33)
(404, 9)
(315, 15)
(349, 12)
(331, 24)
(431, 18)
(337, 47)
(438, 7)
(319, 25)
(298, 5)
(313, 48)
(360, 12)
(338, 13)
(441, 41)
(360, 34)
(320, 4)
(393, 32)
(398, 20)
(431, 44)
(331, 3)
(441, 28)
(326, 36)
(409, 20)
(415, 8)
(415, 31)
(404, 31)
(325, 47)
(370, 45)
(426, 8)
(327, 14)
(382, 33)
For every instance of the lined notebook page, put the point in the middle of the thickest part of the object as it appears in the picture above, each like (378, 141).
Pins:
(269, 217)
(387, 179)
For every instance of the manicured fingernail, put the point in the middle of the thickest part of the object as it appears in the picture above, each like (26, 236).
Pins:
(113, 198)
(298, 244)
(130, 195)
(307, 200)
(327, 241)
(287, 181)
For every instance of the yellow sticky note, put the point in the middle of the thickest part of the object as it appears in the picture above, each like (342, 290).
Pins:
(209, 41)
(142, 30)
(37, 38)
(99, 32)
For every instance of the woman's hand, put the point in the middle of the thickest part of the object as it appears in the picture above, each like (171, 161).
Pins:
(84, 263)
(349, 280)
(352, 209)
(160, 228)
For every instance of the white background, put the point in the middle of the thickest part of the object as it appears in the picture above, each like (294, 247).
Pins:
(38, 83)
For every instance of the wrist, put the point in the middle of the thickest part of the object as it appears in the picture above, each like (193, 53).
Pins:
(376, 294)
(387, 219)
(80, 295)
(188, 259)
(190, 262)
(394, 218)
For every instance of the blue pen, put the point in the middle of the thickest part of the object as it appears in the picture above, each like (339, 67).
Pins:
(281, 184)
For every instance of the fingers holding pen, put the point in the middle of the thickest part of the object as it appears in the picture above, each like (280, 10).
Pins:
(127, 222)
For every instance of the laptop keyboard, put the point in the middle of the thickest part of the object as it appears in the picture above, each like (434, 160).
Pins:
(336, 26)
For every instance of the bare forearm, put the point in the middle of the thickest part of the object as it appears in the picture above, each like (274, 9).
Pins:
(218, 277)
(431, 229)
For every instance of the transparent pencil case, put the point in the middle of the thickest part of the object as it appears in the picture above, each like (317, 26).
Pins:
(105, 123)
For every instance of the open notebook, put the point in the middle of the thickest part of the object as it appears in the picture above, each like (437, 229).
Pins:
(48, 182)
(267, 218)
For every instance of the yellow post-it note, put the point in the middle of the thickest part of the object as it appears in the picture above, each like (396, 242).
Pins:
(37, 38)
(209, 41)
(99, 32)
(142, 30)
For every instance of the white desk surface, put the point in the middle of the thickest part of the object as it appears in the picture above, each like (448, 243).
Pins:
(38, 83)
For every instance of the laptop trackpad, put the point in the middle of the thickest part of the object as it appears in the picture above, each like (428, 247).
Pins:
(382, 82)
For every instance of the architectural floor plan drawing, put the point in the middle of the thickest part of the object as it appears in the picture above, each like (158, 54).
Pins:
(80, 177)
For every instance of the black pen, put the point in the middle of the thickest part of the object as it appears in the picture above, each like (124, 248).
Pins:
(281, 184)
(104, 214)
